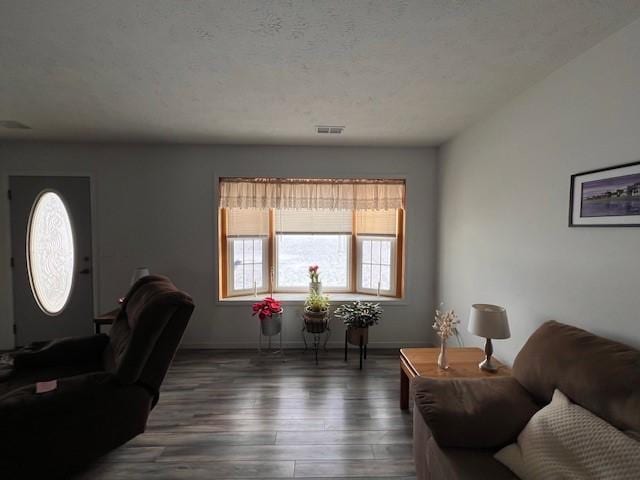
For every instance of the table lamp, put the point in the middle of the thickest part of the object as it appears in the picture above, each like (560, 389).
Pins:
(489, 321)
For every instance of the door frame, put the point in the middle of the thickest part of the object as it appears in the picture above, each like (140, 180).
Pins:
(7, 235)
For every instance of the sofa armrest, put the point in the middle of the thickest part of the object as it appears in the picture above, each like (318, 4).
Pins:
(473, 413)
(63, 351)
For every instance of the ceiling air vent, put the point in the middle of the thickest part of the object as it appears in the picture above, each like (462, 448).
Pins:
(14, 124)
(329, 129)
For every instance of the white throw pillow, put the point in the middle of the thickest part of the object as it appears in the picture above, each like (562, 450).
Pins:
(565, 441)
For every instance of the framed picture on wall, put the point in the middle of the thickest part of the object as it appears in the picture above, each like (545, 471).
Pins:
(608, 197)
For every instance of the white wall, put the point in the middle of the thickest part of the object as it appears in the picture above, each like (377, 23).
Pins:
(504, 202)
(156, 206)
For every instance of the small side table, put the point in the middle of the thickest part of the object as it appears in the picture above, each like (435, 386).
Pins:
(423, 362)
(105, 319)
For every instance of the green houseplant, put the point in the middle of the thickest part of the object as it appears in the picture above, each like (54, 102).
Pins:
(358, 317)
(316, 307)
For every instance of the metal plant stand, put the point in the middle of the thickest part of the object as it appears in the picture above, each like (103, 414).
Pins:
(317, 332)
(361, 343)
(280, 351)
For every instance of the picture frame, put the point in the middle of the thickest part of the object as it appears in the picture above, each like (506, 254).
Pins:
(606, 197)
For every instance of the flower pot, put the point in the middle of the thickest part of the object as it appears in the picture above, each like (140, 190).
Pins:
(272, 325)
(315, 322)
(315, 287)
(354, 334)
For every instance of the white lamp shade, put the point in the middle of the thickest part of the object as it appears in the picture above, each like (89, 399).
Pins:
(138, 273)
(489, 321)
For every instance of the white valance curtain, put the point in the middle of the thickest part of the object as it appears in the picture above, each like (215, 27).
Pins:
(313, 194)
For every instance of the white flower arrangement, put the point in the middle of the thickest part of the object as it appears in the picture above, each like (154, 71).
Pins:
(446, 324)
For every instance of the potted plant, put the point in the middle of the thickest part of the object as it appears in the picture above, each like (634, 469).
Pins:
(358, 317)
(315, 285)
(269, 312)
(316, 307)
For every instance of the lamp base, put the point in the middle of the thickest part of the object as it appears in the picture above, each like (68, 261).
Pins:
(487, 365)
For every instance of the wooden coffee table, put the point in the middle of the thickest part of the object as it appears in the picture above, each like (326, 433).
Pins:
(423, 362)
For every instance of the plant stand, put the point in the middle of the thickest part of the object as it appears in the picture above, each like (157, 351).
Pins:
(358, 337)
(318, 330)
(280, 351)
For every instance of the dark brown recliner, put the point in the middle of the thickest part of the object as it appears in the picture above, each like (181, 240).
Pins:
(107, 385)
(458, 425)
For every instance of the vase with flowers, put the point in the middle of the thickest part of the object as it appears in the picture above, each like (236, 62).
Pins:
(269, 311)
(315, 285)
(445, 325)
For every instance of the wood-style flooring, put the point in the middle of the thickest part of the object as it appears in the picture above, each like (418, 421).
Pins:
(237, 414)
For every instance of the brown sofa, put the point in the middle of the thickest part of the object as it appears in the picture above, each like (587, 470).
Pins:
(107, 385)
(460, 424)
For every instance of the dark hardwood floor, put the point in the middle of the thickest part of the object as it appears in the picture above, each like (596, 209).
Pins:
(236, 414)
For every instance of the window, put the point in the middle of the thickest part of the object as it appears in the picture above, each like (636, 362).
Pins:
(313, 237)
(377, 252)
(246, 232)
(50, 252)
(295, 252)
(376, 265)
(268, 245)
(248, 265)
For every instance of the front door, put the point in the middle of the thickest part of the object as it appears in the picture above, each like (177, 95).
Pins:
(51, 257)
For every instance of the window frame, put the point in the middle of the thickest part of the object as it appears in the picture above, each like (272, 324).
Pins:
(269, 265)
(233, 292)
(393, 265)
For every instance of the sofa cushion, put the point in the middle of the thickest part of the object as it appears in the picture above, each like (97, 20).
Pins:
(563, 440)
(471, 412)
(599, 374)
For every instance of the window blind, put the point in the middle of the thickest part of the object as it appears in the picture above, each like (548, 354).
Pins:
(314, 221)
(247, 222)
(314, 194)
(377, 222)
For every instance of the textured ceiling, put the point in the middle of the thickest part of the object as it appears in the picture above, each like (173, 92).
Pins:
(394, 72)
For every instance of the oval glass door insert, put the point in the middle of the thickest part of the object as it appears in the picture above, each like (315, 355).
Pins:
(50, 252)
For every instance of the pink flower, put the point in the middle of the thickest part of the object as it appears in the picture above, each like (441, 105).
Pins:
(313, 273)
